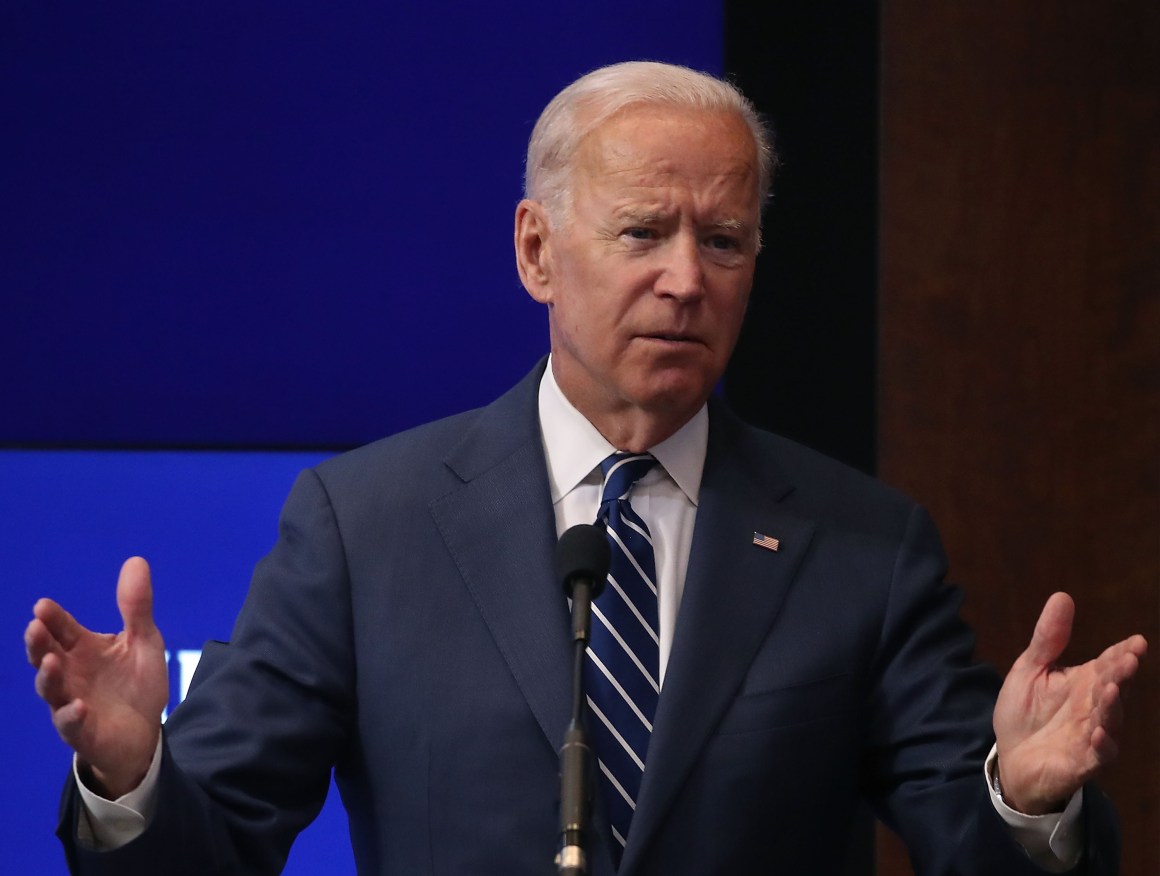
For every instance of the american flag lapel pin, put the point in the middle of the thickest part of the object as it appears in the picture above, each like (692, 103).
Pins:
(766, 541)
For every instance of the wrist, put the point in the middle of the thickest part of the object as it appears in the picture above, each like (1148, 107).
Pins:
(1017, 802)
(123, 778)
(110, 785)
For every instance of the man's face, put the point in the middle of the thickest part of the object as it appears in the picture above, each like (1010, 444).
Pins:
(647, 277)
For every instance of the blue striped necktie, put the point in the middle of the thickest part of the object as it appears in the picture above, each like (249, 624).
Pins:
(622, 671)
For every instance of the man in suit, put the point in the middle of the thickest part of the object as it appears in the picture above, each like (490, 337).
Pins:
(406, 629)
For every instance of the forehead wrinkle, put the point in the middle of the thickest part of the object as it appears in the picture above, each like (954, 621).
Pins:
(650, 210)
(645, 214)
(641, 185)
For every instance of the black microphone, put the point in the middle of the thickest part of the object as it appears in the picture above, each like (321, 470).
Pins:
(582, 560)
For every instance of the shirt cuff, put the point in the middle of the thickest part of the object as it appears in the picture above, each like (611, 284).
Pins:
(105, 825)
(1053, 841)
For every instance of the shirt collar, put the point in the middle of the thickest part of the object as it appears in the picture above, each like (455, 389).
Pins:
(574, 448)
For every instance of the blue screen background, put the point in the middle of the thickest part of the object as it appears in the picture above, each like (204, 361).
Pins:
(278, 224)
(231, 235)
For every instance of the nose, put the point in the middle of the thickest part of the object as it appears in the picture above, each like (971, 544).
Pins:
(682, 273)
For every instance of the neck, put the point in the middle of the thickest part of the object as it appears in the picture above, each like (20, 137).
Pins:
(635, 431)
(627, 426)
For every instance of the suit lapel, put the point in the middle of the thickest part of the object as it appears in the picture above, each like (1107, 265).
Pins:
(500, 530)
(733, 590)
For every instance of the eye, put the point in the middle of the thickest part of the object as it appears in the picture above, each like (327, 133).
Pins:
(639, 233)
(724, 243)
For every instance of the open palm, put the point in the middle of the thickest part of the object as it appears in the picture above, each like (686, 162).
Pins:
(106, 691)
(1055, 726)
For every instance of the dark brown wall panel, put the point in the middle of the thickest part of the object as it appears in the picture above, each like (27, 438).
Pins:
(1019, 369)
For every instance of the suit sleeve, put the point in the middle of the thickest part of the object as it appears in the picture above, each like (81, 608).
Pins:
(247, 757)
(930, 730)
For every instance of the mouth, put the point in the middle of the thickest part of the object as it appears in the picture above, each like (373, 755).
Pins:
(672, 338)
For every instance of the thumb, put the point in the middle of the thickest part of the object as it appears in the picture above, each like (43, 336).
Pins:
(135, 597)
(1052, 630)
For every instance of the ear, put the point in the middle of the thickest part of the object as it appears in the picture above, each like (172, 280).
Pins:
(532, 249)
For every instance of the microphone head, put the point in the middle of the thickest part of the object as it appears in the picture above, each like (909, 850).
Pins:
(583, 552)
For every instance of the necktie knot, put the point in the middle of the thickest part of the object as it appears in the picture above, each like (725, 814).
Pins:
(621, 470)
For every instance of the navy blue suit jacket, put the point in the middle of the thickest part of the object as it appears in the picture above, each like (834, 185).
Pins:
(407, 630)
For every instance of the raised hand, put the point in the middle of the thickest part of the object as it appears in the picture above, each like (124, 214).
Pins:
(1055, 726)
(106, 691)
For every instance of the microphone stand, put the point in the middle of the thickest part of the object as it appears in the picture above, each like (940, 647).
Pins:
(583, 553)
(575, 754)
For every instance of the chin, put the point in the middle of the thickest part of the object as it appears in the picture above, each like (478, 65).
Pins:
(675, 394)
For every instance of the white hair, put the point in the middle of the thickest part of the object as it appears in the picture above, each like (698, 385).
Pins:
(592, 99)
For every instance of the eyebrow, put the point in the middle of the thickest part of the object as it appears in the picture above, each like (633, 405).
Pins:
(653, 217)
(730, 225)
(642, 217)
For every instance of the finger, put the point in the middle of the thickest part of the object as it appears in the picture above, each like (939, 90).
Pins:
(38, 642)
(1104, 746)
(69, 721)
(1107, 707)
(1124, 669)
(50, 682)
(1117, 664)
(1134, 647)
(61, 625)
(1052, 630)
(135, 597)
